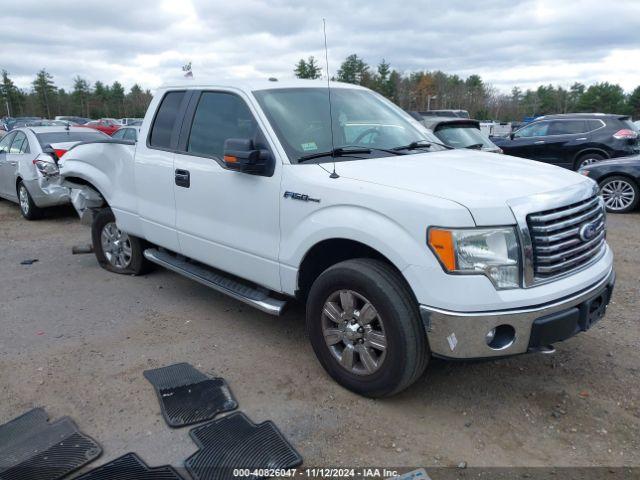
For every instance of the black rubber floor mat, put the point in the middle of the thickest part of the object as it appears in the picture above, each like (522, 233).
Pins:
(130, 467)
(31, 448)
(188, 396)
(12, 432)
(235, 442)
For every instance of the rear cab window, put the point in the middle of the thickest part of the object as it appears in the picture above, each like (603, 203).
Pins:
(165, 120)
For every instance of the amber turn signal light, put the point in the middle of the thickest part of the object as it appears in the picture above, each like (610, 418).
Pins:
(441, 242)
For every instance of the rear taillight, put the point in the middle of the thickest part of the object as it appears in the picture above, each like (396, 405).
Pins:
(46, 166)
(625, 134)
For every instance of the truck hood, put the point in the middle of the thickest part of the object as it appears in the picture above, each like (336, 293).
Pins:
(482, 182)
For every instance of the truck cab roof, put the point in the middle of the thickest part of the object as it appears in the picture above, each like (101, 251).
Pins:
(256, 84)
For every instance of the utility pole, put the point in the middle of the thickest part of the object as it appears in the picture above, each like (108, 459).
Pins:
(6, 102)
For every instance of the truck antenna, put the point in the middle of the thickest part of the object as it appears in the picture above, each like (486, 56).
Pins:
(326, 60)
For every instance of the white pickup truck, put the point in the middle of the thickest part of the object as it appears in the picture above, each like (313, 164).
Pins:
(401, 249)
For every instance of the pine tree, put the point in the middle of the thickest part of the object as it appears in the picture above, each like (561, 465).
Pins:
(634, 103)
(12, 98)
(308, 69)
(117, 99)
(353, 70)
(45, 91)
(80, 97)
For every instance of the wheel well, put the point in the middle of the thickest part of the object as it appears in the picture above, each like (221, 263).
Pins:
(591, 150)
(631, 178)
(82, 181)
(18, 180)
(327, 253)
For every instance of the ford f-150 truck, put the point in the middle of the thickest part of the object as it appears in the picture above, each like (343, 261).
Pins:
(401, 248)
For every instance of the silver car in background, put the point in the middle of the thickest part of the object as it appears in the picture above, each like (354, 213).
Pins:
(29, 157)
(127, 133)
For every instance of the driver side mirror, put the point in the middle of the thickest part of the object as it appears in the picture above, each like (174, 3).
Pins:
(512, 135)
(242, 154)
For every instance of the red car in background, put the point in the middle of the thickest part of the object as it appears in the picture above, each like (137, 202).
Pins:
(106, 125)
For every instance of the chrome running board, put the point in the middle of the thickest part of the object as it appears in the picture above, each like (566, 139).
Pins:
(255, 296)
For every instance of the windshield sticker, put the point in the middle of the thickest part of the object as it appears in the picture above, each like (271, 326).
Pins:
(307, 147)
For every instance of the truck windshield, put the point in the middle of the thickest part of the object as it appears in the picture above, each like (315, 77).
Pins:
(300, 118)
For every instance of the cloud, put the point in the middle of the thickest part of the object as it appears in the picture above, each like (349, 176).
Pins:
(507, 42)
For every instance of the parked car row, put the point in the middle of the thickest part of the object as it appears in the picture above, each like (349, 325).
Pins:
(573, 141)
(9, 123)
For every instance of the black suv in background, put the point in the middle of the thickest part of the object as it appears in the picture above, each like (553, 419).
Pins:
(573, 140)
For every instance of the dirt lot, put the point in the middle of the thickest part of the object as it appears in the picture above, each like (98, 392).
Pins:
(75, 339)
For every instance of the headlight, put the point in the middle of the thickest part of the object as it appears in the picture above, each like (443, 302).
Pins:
(493, 252)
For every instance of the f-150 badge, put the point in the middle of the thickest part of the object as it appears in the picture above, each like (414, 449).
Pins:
(300, 196)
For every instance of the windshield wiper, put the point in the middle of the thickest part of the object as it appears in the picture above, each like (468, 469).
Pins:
(346, 152)
(475, 146)
(421, 144)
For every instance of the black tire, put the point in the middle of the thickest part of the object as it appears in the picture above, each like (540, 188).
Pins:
(407, 351)
(586, 159)
(136, 263)
(620, 182)
(28, 208)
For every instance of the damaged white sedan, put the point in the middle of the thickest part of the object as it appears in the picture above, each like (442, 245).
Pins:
(29, 159)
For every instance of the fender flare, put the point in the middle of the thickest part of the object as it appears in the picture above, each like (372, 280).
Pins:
(588, 150)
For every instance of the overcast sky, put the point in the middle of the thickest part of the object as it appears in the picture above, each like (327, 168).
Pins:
(507, 42)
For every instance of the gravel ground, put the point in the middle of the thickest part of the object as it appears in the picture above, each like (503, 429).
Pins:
(76, 339)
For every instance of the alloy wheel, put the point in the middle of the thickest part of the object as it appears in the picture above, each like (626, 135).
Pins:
(116, 246)
(618, 195)
(354, 332)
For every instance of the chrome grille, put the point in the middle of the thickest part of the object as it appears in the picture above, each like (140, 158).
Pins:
(558, 246)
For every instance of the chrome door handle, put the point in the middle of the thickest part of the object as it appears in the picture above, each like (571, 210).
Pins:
(13, 163)
(539, 142)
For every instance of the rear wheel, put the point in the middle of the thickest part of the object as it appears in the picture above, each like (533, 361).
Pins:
(588, 159)
(620, 194)
(29, 210)
(116, 250)
(365, 328)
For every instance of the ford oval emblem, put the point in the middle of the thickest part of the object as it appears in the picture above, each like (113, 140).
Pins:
(588, 231)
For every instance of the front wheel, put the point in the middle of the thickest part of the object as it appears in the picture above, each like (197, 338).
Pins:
(365, 328)
(116, 250)
(620, 194)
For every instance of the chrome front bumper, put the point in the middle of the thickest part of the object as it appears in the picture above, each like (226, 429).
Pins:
(462, 335)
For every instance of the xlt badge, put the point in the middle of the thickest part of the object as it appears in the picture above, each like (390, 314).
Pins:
(300, 196)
